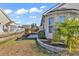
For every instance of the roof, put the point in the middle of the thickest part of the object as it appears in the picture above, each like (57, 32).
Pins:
(4, 19)
(64, 9)
(64, 6)
(11, 23)
(57, 5)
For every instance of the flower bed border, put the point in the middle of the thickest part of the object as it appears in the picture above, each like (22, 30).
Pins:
(50, 47)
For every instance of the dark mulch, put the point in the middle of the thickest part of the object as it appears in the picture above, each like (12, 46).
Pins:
(59, 45)
(55, 44)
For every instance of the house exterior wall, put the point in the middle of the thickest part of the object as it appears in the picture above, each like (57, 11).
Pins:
(46, 25)
(40, 28)
(1, 28)
(56, 16)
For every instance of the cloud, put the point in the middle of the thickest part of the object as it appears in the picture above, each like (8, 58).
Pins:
(42, 7)
(34, 9)
(21, 11)
(33, 17)
(31, 10)
(8, 11)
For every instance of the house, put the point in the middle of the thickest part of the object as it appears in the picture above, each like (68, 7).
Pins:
(14, 26)
(4, 20)
(30, 28)
(26, 26)
(6, 24)
(58, 14)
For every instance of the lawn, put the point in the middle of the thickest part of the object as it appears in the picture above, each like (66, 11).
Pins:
(19, 48)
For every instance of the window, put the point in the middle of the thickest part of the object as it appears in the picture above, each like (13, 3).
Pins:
(51, 27)
(61, 18)
(51, 21)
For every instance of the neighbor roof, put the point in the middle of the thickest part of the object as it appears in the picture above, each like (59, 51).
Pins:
(4, 19)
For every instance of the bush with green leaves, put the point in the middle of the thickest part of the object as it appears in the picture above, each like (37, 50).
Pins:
(69, 30)
(41, 35)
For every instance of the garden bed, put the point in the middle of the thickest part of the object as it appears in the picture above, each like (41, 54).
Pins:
(58, 44)
(50, 47)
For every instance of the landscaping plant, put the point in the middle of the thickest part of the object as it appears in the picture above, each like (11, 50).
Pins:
(68, 31)
(41, 35)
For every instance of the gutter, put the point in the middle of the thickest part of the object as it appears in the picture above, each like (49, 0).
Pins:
(57, 6)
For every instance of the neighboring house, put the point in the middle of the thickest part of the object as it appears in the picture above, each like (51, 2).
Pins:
(26, 26)
(58, 14)
(14, 26)
(6, 25)
(30, 28)
(4, 20)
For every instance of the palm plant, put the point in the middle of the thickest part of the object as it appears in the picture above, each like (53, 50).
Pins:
(69, 30)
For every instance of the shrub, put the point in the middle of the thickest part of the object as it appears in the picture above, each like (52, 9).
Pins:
(41, 35)
(69, 29)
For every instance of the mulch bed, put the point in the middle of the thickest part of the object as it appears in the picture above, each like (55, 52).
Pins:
(59, 44)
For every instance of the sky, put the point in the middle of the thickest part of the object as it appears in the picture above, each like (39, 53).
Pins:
(26, 13)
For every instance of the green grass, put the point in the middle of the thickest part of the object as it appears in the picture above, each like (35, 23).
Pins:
(2, 42)
(23, 47)
(27, 47)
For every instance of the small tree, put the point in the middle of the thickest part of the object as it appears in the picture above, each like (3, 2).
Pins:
(69, 30)
(34, 27)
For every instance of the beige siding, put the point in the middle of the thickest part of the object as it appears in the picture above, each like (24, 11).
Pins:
(3, 18)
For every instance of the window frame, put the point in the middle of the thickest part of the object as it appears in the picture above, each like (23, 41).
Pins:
(50, 24)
